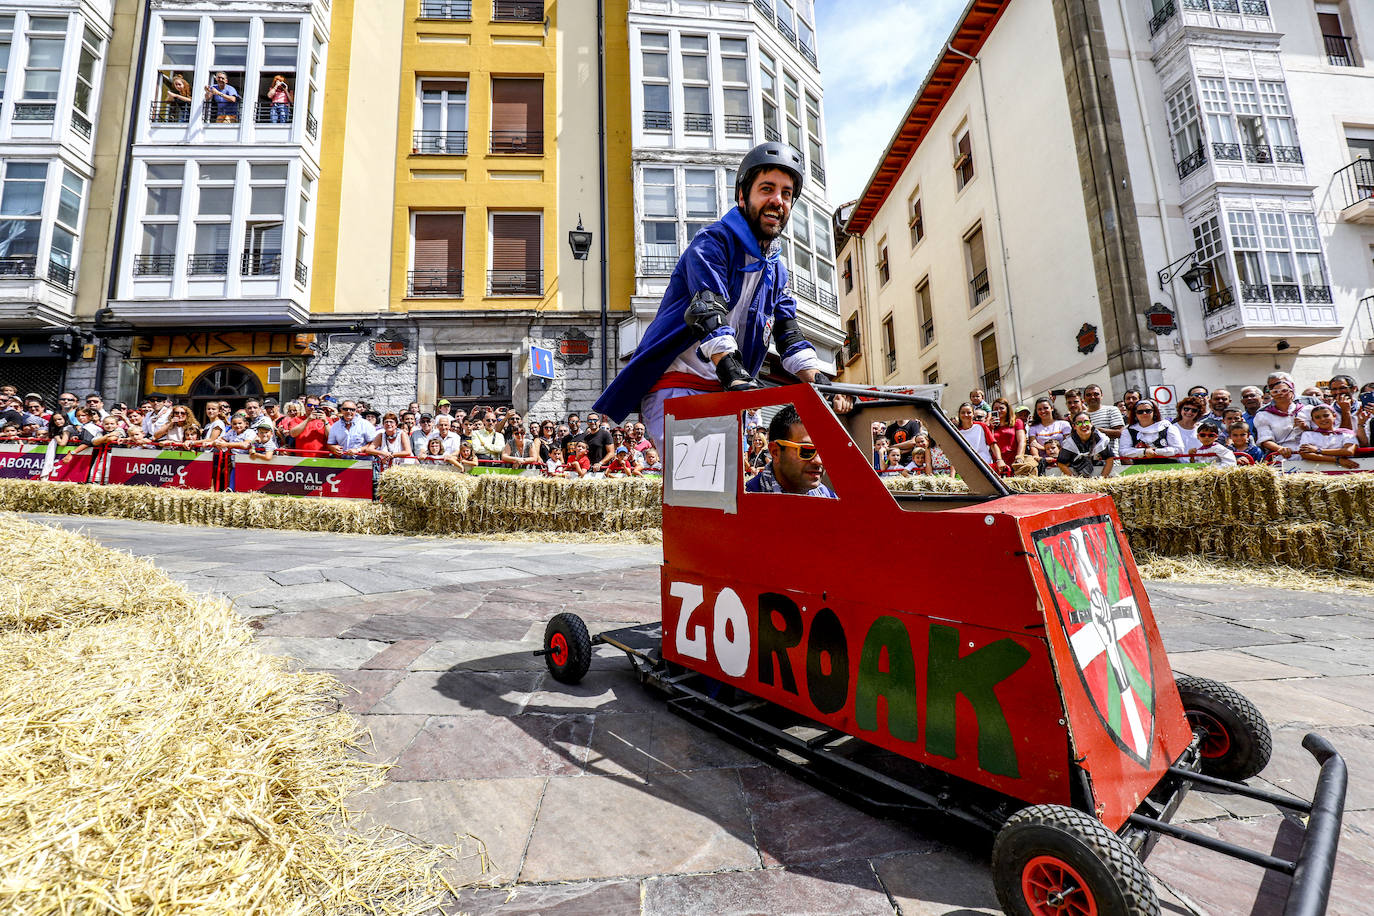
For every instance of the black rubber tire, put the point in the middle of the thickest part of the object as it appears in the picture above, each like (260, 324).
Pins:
(1238, 743)
(1045, 839)
(568, 648)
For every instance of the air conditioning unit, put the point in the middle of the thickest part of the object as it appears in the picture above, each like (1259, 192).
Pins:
(168, 378)
(274, 376)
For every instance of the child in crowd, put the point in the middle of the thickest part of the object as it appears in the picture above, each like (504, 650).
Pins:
(621, 464)
(1241, 444)
(263, 445)
(892, 461)
(1210, 449)
(237, 437)
(1326, 443)
(651, 462)
(555, 463)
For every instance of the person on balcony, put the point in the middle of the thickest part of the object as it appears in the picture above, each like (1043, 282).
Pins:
(279, 94)
(223, 100)
(177, 100)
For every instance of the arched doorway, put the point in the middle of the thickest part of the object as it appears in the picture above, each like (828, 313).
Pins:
(224, 382)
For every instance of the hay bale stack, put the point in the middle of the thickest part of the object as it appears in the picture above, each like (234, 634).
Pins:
(152, 760)
(507, 504)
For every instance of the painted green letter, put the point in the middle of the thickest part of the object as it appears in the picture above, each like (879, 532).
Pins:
(897, 685)
(976, 676)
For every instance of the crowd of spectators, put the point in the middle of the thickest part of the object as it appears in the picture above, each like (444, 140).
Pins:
(323, 425)
(1089, 436)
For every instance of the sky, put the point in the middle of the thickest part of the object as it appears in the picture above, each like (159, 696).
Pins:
(873, 56)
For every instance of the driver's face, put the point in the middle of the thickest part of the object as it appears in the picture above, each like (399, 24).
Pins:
(794, 474)
(769, 203)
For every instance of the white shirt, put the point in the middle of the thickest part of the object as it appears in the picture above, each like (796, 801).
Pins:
(1170, 442)
(1055, 431)
(976, 436)
(1216, 454)
(1280, 429)
(1337, 438)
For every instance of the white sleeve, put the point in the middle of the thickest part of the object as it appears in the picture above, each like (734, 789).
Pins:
(802, 359)
(719, 345)
(1174, 443)
(1128, 451)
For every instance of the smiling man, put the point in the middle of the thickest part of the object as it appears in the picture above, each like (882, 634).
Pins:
(727, 298)
(795, 464)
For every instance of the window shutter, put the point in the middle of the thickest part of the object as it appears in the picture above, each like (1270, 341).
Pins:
(515, 242)
(438, 241)
(517, 105)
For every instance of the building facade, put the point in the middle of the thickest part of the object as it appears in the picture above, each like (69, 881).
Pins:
(1066, 166)
(708, 82)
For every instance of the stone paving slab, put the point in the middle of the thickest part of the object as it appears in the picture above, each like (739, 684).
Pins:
(592, 801)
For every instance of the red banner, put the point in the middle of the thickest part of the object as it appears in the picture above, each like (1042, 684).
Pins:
(25, 460)
(292, 475)
(172, 468)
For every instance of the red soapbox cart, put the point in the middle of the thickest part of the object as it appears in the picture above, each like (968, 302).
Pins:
(995, 660)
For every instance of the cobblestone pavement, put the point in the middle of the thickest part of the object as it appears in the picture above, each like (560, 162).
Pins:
(594, 800)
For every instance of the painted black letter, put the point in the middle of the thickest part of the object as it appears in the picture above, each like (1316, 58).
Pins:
(826, 639)
(773, 641)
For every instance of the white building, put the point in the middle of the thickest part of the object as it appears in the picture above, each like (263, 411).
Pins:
(52, 65)
(217, 228)
(1030, 224)
(708, 81)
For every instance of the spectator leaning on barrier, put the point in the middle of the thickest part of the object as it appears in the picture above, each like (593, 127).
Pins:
(519, 451)
(1241, 444)
(443, 431)
(487, 442)
(1046, 426)
(978, 436)
(1279, 425)
(420, 436)
(262, 444)
(1106, 418)
(1327, 442)
(598, 438)
(350, 432)
(578, 464)
(1211, 449)
(158, 415)
(1149, 439)
(391, 441)
(1008, 436)
(214, 425)
(1084, 448)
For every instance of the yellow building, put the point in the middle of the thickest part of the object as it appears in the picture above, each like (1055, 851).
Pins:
(460, 145)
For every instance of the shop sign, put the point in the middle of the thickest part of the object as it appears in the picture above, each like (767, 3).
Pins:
(1087, 338)
(13, 345)
(387, 349)
(574, 347)
(220, 345)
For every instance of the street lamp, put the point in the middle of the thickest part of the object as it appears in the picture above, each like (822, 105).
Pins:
(580, 241)
(1196, 277)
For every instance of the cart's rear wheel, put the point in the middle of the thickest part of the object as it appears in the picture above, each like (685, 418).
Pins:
(1235, 740)
(567, 648)
(1050, 860)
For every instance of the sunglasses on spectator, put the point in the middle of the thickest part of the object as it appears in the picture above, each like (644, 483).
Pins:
(1144, 410)
(1206, 434)
(67, 400)
(1086, 422)
(804, 452)
(1185, 409)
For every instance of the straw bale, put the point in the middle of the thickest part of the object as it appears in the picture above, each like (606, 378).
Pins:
(504, 503)
(152, 760)
(1233, 572)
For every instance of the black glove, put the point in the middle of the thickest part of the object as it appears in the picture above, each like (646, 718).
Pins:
(733, 377)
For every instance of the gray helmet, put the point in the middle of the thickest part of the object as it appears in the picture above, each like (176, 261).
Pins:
(772, 155)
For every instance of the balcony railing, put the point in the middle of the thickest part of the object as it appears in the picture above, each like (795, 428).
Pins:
(444, 283)
(216, 111)
(1192, 162)
(19, 266)
(1316, 293)
(980, 286)
(738, 124)
(302, 272)
(770, 133)
(1166, 12)
(1291, 155)
(1225, 6)
(81, 125)
(273, 113)
(787, 31)
(658, 120)
(260, 263)
(1226, 152)
(991, 382)
(827, 299)
(515, 283)
(60, 275)
(1215, 302)
(154, 265)
(439, 143)
(657, 265)
(891, 357)
(446, 9)
(1287, 292)
(817, 172)
(35, 111)
(804, 288)
(1254, 7)
(765, 7)
(701, 123)
(927, 332)
(1338, 51)
(1254, 292)
(1356, 182)
(1196, 5)
(207, 265)
(517, 142)
(517, 11)
(809, 53)
(1260, 153)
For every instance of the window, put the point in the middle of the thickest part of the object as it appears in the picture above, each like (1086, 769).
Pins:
(213, 210)
(1340, 51)
(161, 210)
(1207, 242)
(1278, 256)
(768, 69)
(1246, 247)
(932, 374)
(734, 66)
(989, 364)
(517, 116)
(6, 40)
(963, 159)
(915, 222)
(266, 208)
(21, 209)
(848, 274)
(443, 126)
(702, 204)
(43, 71)
(303, 220)
(175, 92)
(229, 55)
(884, 272)
(791, 93)
(1185, 132)
(61, 266)
(813, 138)
(976, 258)
(471, 380)
(83, 113)
(312, 92)
(276, 86)
(516, 255)
(437, 268)
(924, 314)
(660, 220)
(696, 84)
(675, 205)
(658, 109)
(889, 345)
(852, 340)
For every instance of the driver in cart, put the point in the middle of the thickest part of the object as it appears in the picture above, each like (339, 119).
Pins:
(794, 463)
(727, 296)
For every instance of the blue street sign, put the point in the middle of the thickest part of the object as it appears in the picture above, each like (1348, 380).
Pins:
(541, 362)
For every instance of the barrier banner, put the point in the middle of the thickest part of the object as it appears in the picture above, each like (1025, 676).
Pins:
(173, 468)
(1364, 463)
(293, 475)
(25, 460)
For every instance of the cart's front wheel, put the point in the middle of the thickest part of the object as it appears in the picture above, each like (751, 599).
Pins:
(567, 648)
(1235, 740)
(1050, 860)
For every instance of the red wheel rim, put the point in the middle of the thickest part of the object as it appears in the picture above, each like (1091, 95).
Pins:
(1051, 887)
(1216, 740)
(558, 649)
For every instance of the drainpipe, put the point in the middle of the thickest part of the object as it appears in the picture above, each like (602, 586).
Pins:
(601, 150)
(997, 206)
(117, 246)
(1154, 177)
